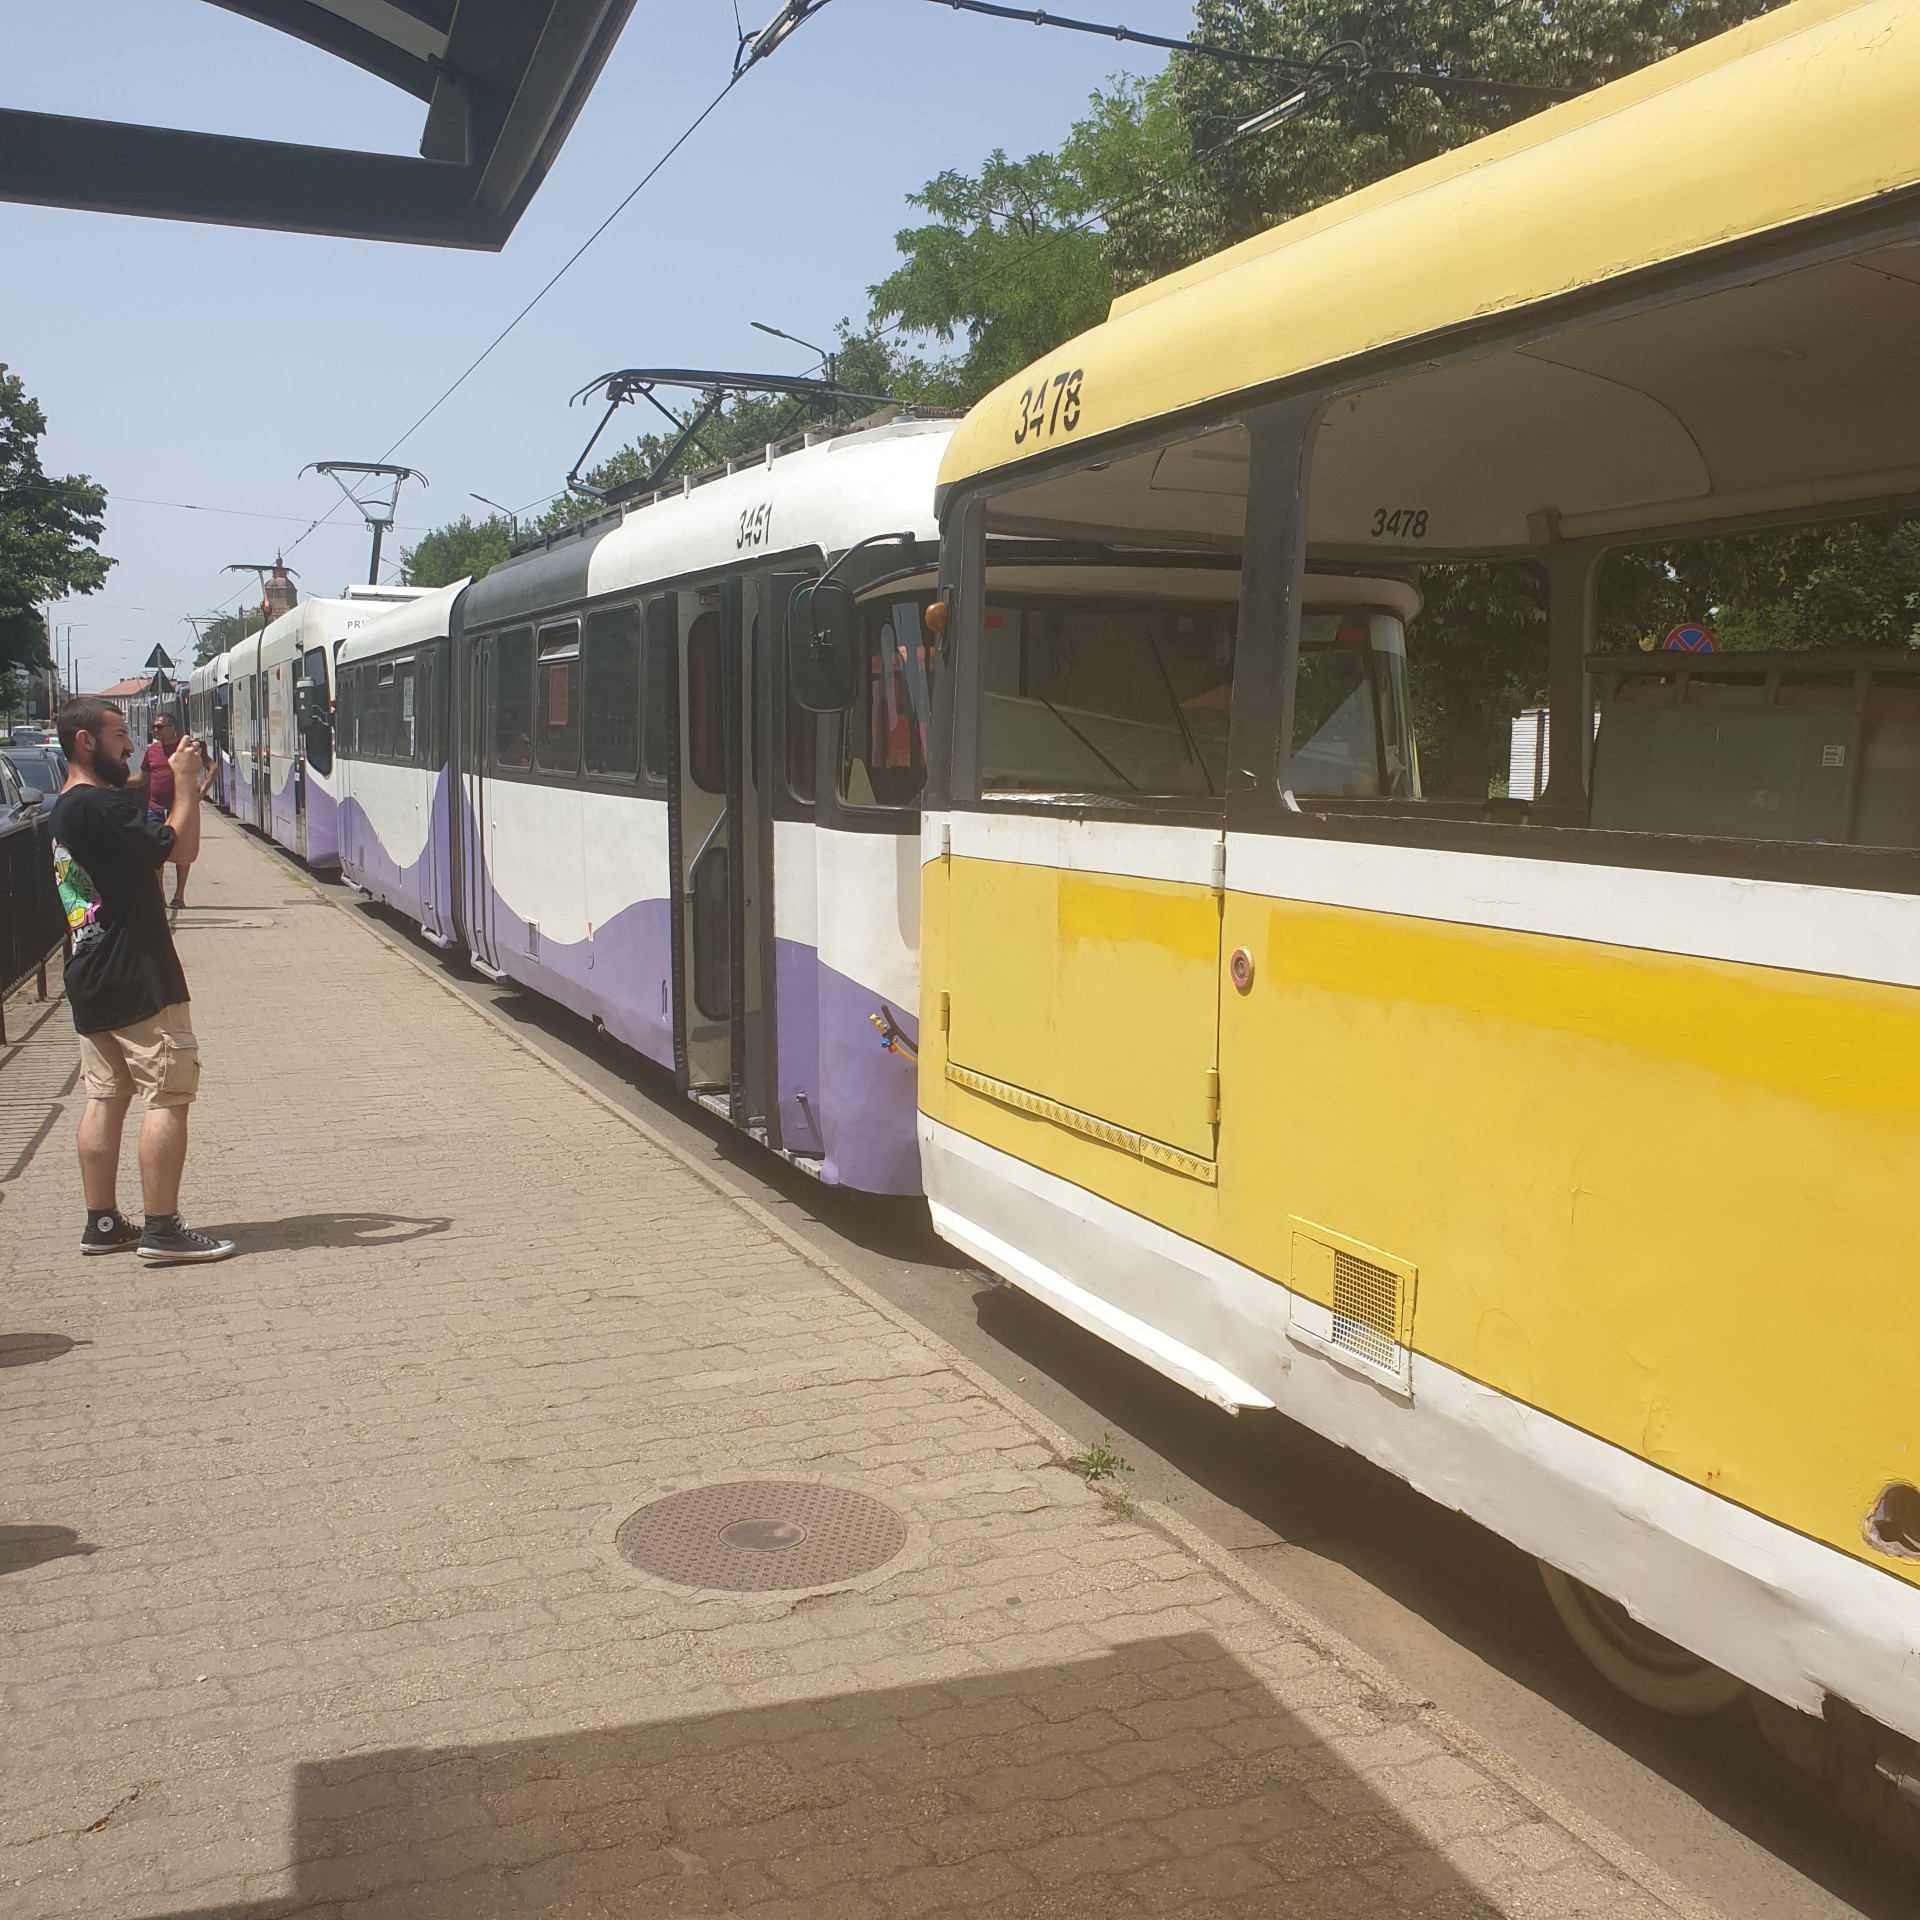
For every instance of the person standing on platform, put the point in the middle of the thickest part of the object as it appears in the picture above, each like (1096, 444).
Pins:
(153, 787)
(123, 979)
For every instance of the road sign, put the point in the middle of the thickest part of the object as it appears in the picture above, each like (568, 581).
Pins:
(159, 657)
(1690, 637)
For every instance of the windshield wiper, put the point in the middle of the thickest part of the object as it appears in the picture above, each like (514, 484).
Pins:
(1179, 712)
(1084, 741)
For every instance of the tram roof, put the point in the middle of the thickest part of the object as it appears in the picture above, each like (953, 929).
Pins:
(1789, 134)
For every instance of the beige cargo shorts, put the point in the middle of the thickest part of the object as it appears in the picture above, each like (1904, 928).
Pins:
(157, 1058)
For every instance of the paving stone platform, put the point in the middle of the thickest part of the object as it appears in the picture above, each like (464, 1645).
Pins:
(309, 1596)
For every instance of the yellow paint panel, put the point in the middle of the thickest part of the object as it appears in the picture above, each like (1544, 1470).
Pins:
(1667, 1200)
(1097, 992)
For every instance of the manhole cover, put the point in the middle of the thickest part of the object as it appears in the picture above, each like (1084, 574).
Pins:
(762, 1536)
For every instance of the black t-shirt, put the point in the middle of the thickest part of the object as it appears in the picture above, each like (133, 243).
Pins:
(106, 858)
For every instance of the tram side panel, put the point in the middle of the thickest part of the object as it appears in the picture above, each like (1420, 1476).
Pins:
(568, 883)
(392, 776)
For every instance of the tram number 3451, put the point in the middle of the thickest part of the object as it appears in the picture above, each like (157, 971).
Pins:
(756, 527)
(1052, 407)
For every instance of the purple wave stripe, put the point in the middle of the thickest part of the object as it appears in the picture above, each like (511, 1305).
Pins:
(796, 978)
(866, 1106)
(423, 887)
(323, 825)
(280, 812)
(616, 977)
(869, 1097)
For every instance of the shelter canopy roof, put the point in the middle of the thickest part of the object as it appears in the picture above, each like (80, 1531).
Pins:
(501, 82)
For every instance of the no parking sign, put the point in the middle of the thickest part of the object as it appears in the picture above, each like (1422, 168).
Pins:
(1690, 637)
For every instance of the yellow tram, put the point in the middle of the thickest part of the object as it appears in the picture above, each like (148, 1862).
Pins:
(1556, 1154)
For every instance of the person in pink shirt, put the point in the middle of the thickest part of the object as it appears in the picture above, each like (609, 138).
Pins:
(152, 786)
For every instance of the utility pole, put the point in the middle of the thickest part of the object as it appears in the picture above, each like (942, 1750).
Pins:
(377, 498)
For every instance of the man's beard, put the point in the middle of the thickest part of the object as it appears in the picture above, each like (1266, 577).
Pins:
(115, 773)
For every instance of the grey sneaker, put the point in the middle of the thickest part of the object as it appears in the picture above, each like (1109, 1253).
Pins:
(167, 1241)
(109, 1231)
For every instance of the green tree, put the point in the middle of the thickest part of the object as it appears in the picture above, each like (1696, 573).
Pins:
(1011, 261)
(1369, 129)
(461, 548)
(50, 529)
(222, 632)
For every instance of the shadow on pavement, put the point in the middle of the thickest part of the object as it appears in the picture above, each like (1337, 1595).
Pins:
(1162, 1778)
(24, 1547)
(25, 1349)
(300, 1230)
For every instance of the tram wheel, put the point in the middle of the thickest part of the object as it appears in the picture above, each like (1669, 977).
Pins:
(1643, 1664)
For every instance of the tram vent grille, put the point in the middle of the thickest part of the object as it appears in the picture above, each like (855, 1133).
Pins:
(1366, 1309)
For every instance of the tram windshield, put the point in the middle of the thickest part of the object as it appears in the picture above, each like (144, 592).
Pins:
(1352, 738)
(884, 744)
(1116, 695)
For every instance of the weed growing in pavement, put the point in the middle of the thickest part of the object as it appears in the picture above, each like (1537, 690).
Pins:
(1097, 1462)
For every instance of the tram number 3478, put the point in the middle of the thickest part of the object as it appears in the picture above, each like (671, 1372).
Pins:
(1050, 408)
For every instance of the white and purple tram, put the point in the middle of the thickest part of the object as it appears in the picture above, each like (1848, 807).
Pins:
(281, 683)
(390, 766)
(588, 769)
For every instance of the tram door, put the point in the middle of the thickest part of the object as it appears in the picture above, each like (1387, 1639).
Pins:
(430, 707)
(723, 841)
(261, 771)
(473, 835)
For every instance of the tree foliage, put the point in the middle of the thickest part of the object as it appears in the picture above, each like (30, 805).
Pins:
(50, 530)
(222, 632)
(461, 548)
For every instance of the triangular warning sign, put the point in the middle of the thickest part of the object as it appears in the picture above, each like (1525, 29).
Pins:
(159, 658)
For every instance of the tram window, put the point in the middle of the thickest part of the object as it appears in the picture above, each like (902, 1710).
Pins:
(610, 660)
(706, 707)
(1351, 737)
(557, 706)
(883, 759)
(513, 700)
(406, 738)
(657, 704)
(388, 713)
(1109, 696)
(318, 734)
(433, 705)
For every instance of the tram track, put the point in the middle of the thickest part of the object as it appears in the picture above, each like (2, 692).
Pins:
(1457, 1613)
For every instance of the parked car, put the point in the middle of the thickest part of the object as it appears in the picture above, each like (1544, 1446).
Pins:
(16, 798)
(25, 734)
(41, 769)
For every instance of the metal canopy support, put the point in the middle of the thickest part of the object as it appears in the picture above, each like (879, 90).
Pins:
(503, 79)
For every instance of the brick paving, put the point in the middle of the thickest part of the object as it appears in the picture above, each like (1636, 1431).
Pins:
(309, 1595)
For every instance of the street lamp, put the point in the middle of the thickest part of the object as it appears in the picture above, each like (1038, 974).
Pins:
(512, 518)
(826, 359)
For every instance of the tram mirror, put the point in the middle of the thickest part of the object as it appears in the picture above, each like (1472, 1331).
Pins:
(822, 663)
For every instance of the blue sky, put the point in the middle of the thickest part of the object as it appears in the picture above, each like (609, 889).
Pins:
(208, 366)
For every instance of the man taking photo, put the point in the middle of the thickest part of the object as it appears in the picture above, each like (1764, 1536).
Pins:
(124, 984)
